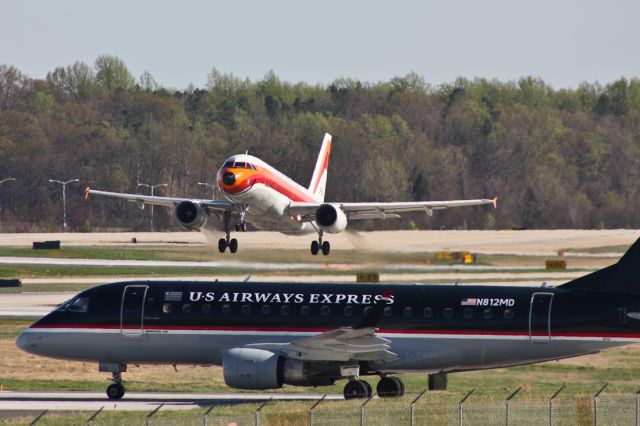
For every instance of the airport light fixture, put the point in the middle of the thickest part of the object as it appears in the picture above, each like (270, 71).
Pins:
(64, 199)
(1, 182)
(152, 187)
(210, 185)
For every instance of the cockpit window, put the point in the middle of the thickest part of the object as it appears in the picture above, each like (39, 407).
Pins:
(77, 304)
(238, 165)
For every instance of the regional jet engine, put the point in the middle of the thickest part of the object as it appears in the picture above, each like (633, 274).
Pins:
(249, 368)
(331, 218)
(191, 216)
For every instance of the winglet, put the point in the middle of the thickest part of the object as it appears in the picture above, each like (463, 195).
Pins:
(495, 202)
(86, 193)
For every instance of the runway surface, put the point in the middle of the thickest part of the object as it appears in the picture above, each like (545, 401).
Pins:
(531, 242)
(139, 401)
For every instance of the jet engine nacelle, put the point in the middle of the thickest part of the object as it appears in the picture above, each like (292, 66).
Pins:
(191, 216)
(249, 368)
(331, 218)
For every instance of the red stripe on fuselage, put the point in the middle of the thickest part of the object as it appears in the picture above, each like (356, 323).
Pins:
(270, 179)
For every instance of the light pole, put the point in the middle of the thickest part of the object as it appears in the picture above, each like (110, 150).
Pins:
(210, 185)
(64, 199)
(1, 182)
(152, 188)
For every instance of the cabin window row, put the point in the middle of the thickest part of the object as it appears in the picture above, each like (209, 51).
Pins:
(347, 311)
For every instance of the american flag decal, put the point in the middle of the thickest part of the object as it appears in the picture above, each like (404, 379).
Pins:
(470, 301)
(172, 296)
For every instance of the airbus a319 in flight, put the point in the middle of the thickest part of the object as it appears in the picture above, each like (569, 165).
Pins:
(257, 193)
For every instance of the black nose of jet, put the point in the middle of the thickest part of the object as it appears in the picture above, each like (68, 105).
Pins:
(229, 178)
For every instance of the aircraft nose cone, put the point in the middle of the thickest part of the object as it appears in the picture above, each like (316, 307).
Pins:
(28, 343)
(229, 178)
(23, 341)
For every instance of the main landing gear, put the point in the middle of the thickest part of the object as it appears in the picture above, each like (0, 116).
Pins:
(223, 243)
(240, 226)
(355, 389)
(388, 387)
(317, 245)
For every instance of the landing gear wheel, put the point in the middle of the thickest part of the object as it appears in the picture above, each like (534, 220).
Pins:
(357, 389)
(369, 388)
(243, 227)
(233, 245)
(222, 245)
(400, 383)
(115, 391)
(238, 227)
(326, 248)
(390, 387)
(315, 247)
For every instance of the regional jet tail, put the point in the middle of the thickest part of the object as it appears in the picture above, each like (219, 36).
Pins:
(267, 335)
(257, 193)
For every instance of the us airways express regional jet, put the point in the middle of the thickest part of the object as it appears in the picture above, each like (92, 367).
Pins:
(266, 335)
(257, 193)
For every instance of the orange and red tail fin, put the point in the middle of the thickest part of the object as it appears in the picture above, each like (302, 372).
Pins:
(319, 178)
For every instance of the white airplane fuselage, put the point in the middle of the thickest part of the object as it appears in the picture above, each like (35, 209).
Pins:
(266, 193)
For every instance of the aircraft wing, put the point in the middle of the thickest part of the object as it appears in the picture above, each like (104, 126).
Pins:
(342, 344)
(212, 206)
(357, 343)
(306, 211)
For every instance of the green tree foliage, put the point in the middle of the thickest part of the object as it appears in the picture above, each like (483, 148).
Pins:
(113, 74)
(74, 81)
(555, 158)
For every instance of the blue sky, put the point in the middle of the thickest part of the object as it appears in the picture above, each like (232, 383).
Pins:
(179, 42)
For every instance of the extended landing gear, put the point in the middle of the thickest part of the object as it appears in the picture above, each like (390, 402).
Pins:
(318, 245)
(357, 389)
(232, 243)
(388, 387)
(114, 390)
(224, 243)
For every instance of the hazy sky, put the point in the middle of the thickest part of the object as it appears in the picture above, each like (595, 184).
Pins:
(178, 42)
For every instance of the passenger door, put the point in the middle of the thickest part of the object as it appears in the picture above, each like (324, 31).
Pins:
(540, 317)
(132, 310)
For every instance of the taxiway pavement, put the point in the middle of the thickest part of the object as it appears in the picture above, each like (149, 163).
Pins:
(139, 401)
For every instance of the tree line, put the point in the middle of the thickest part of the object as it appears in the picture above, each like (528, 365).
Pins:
(565, 158)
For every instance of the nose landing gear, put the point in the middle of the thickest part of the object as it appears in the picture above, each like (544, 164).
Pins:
(115, 390)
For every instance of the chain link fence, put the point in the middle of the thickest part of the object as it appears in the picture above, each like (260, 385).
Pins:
(432, 408)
